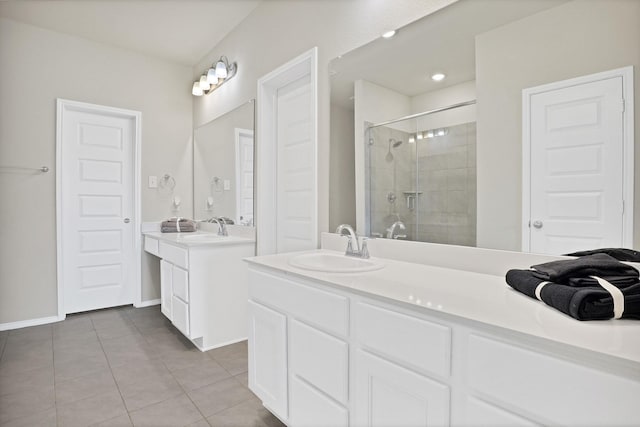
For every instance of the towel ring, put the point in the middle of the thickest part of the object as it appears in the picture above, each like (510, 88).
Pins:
(168, 181)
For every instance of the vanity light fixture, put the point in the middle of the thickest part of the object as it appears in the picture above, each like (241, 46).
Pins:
(389, 34)
(412, 140)
(430, 134)
(217, 75)
(438, 77)
(419, 135)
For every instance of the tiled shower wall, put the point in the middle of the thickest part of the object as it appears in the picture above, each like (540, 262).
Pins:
(442, 170)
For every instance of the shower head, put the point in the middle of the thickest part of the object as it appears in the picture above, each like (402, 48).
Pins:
(396, 143)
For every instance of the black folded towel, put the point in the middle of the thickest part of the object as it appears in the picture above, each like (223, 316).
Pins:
(621, 254)
(584, 303)
(578, 272)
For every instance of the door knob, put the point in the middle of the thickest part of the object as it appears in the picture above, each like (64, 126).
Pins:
(537, 224)
(127, 220)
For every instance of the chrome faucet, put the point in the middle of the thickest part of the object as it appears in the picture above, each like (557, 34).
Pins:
(222, 228)
(353, 241)
(395, 227)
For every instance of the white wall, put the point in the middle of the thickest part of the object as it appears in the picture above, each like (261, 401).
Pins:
(36, 67)
(450, 95)
(277, 31)
(577, 38)
(342, 196)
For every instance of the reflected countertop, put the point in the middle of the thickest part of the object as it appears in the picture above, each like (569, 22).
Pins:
(472, 296)
(199, 238)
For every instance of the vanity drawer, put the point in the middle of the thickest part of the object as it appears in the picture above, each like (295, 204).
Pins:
(151, 245)
(530, 382)
(180, 315)
(180, 282)
(174, 254)
(320, 359)
(405, 339)
(326, 310)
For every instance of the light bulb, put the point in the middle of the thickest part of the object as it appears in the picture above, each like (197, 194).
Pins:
(389, 34)
(419, 135)
(412, 140)
(197, 90)
(440, 132)
(221, 70)
(211, 76)
(438, 77)
(430, 134)
(204, 84)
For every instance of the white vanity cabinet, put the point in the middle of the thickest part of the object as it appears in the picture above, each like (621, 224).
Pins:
(326, 355)
(203, 287)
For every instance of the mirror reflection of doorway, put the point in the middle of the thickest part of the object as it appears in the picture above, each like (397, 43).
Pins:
(244, 176)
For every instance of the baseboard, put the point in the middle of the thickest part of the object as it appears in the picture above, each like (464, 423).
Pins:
(211, 347)
(147, 303)
(31, 322)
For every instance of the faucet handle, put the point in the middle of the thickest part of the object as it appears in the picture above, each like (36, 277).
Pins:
(364, 251)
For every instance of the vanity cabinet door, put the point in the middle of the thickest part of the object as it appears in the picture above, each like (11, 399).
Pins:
(166, 288)
(387, 394)
(268, 357)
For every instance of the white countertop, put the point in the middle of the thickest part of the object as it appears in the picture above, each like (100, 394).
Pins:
(475, 296)
(203, 238)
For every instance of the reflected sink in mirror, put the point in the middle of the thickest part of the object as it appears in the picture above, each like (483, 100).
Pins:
(333, 263)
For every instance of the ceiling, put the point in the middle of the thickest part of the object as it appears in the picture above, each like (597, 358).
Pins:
(441, 42)
(173, 30)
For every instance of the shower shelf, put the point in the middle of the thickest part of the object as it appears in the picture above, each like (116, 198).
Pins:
(410, 197)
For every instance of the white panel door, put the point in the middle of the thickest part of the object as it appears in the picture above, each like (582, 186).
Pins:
(296, 175)
(268, 357)
(97, 190)
(577, 167)
(388, 395)
(244, 177)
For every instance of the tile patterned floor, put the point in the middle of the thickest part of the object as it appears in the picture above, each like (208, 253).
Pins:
(122, 367)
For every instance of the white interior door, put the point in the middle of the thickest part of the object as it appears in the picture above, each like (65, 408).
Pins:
(96, 207)
(287, 176)
(296, 167)
(577, 167)
(244, 176)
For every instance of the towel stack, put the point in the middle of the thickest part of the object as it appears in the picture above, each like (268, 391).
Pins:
(178, 225)
(592, 287)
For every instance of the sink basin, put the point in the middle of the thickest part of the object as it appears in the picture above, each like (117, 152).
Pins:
(332, 263)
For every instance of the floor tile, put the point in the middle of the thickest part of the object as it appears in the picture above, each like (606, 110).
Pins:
(118, 329)
(200, 423)
(85, 386)
(248, 413)
(76, 339)
(72, 326)
(201, 374)
(233, 357)
(25, 357)
(121, 421)
(80, 367)
(33, 333)
(151, 324)
(145, 383)
(219, 396)
(76, 351)
(243, 378)
(178, 411)
(169, 340)
(177, 360)
(24, 382)
(128, 349)
(13, 406)
(45, 418)
(91, 410)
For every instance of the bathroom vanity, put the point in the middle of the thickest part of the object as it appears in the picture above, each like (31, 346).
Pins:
(203, 284)
(410, 344)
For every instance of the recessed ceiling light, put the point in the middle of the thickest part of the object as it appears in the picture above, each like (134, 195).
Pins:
(389, 34)
(438, 77)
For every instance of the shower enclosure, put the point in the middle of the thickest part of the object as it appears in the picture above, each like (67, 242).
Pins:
(421, 179)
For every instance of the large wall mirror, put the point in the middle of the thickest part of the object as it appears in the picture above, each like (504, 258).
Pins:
(223, 163)
(441, 161)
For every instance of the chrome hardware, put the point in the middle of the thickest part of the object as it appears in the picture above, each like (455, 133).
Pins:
(537, 224)
(127, 220)
(222, 228)
(353, 241)
(392, 232)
